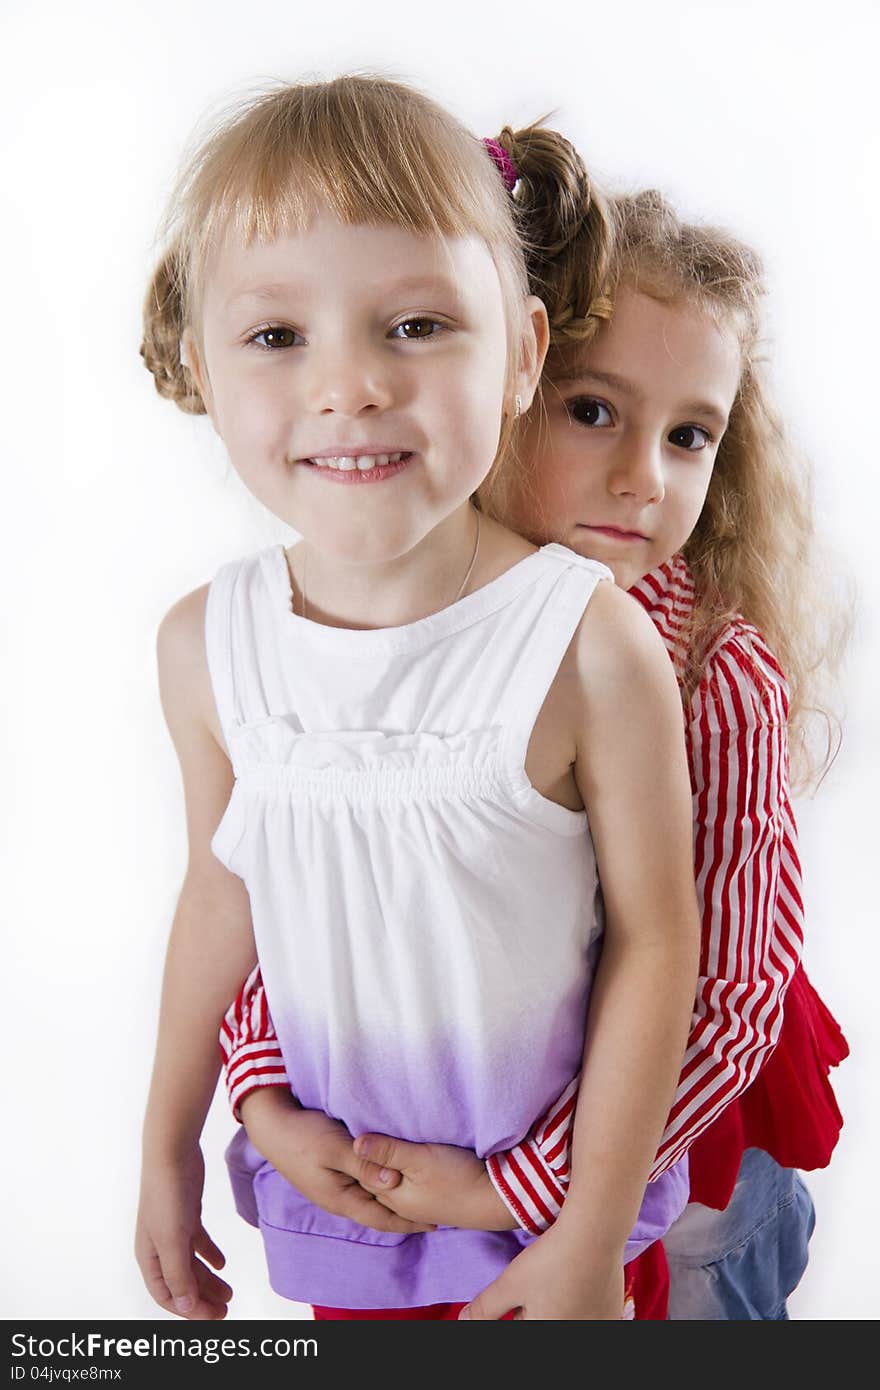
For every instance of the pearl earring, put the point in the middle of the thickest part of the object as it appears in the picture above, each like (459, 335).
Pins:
(517, 407)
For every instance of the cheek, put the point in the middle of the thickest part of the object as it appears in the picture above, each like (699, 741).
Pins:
(251, 414)
(561, 475)
(688, 498)
(542, 502)
(466, 403)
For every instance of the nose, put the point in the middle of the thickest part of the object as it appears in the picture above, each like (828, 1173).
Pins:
(637, 470)
(345, 380)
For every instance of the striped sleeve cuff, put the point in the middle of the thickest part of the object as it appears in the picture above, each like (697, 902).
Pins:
(249, 1044)
(532, 1178)
(255, 1065)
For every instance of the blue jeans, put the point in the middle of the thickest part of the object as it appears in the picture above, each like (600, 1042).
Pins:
(743, 1262)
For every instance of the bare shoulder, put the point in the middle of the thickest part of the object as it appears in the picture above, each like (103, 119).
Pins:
(618, 648)
(630, 731)
(184, 678)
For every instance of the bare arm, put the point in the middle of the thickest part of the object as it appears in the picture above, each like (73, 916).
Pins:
(210, 949)
(632, 772)
(631, 769)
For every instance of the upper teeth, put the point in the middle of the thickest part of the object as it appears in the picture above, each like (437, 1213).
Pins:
(361, 461)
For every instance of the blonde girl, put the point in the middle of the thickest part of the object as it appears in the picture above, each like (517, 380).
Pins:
(654, 448)
(399, 737)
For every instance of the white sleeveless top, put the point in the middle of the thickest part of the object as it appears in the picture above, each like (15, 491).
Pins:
(425, 920)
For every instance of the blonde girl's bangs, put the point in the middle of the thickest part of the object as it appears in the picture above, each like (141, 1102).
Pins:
(367, 150)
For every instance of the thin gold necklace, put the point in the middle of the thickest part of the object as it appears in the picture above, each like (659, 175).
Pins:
(470, 570)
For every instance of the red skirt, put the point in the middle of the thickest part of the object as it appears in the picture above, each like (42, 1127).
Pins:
(789, 1110)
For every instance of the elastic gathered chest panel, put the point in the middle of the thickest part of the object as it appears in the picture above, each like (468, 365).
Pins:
(426, 922)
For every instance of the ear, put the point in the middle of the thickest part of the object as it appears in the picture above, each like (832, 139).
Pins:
(535, 341)
(191, 356)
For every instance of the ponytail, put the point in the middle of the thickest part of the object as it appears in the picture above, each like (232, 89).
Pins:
(566, 232)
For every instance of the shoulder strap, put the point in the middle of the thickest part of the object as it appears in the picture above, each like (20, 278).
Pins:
(218, 644)
(572, 581)
(242, 640)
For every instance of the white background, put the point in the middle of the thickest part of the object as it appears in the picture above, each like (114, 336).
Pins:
(760, 115)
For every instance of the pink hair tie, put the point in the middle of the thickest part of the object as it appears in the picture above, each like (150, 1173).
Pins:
(503, 163)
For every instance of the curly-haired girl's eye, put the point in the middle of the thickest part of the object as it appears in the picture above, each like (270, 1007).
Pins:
(690, 437)
(588, 411)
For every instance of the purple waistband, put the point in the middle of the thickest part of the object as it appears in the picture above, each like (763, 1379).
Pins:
(314, 1257)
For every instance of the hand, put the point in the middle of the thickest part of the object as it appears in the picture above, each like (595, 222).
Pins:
(170, 1238)
(316, 1156)
(431, 1182)
(557, 1277)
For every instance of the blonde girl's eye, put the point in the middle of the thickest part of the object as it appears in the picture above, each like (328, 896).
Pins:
(690, 437)
(416, 330)
(586, 410)
(274, 337)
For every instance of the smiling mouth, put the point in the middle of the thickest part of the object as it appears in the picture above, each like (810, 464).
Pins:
(364, 463)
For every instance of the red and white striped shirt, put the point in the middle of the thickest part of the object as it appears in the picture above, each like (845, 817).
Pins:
(748, 884)
(249, 1043)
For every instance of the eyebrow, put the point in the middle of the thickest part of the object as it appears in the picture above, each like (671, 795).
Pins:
(259, 293)
(707, 411)
(628, 388)
(406, 285)
(617, 383)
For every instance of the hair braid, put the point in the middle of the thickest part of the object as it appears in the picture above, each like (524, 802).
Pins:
(163, 326)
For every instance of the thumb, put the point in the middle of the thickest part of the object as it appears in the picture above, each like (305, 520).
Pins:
(490, 1305)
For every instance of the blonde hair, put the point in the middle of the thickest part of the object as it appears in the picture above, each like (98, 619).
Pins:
(753, 552)
(367, 149)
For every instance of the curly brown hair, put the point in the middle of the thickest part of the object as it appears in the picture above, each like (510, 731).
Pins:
(753, 552)
(566, 229)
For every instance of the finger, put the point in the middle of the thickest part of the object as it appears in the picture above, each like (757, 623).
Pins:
(372, 1173)
(214, 1295)
(193, 1290)
(205, 1246)
(374, 1178)
(180, 1281)
(385, 1152)
(361, 1207)
(198, 1306)
(151, 1270)
(210, 1303)
(491, 1305)
(211, 1286)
